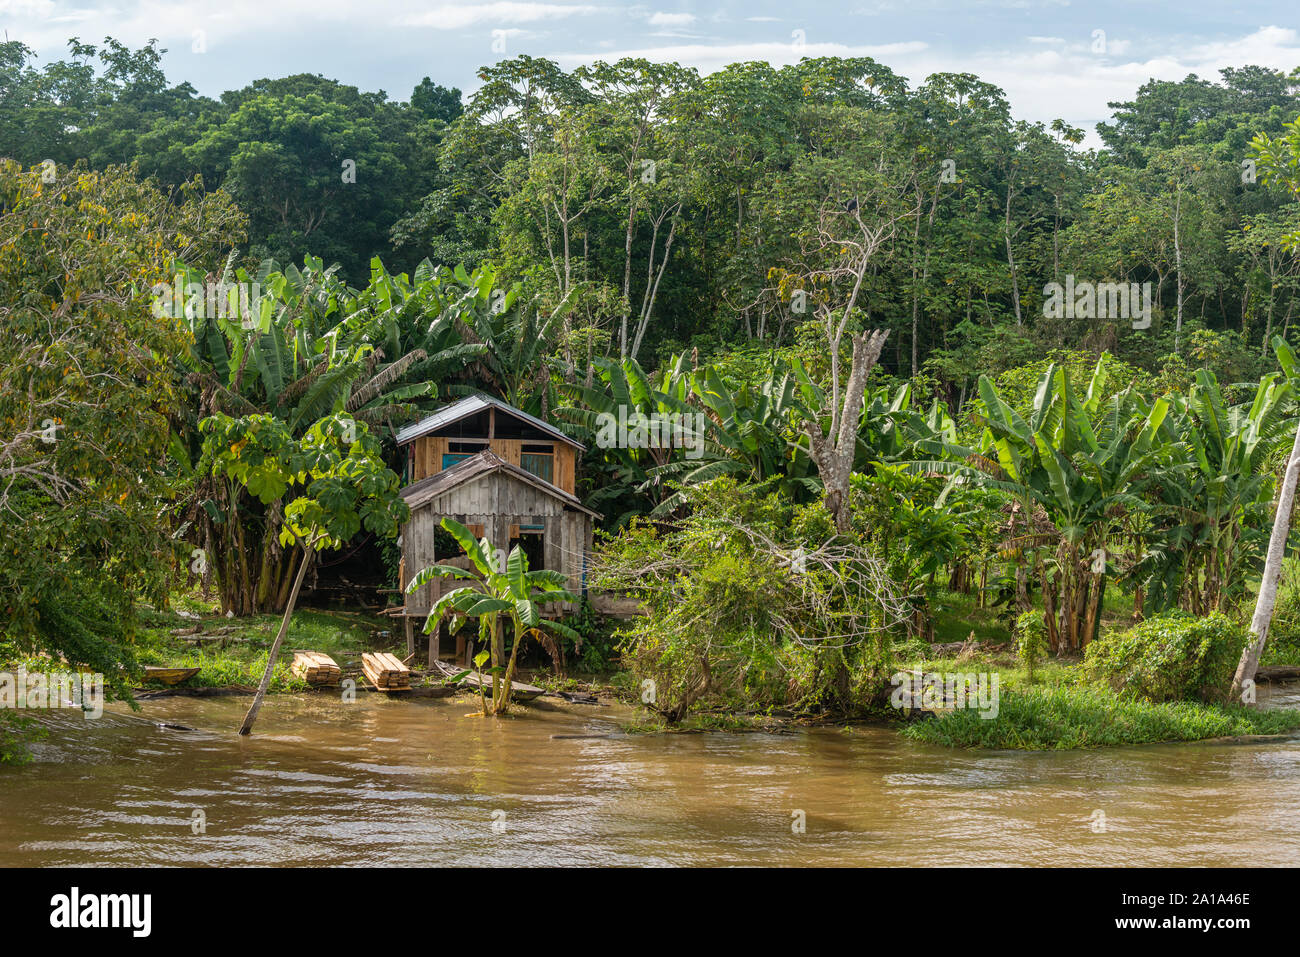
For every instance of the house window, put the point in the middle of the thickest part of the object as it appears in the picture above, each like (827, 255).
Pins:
(459, 451)
(539, 460)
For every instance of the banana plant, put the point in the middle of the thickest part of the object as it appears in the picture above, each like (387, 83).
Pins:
(427, 311)
(517, 336)
(306, 351)
(1217, 502)
(1084, 464)
(750, 433)
(621, 391)
(502, 591)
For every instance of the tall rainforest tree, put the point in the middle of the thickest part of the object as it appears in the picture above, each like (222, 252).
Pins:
(649, 171)
(86, 400)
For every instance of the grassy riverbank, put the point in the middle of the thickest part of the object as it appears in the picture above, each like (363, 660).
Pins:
(1091, 716)
(233, 651)
(1059, 707)
(1062, 707)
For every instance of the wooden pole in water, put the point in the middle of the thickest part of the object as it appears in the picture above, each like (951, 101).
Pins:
(308, 553)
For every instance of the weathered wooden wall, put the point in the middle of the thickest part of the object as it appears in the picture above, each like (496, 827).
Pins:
(494, 505)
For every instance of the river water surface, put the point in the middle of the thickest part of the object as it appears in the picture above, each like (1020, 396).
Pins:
(414, 782)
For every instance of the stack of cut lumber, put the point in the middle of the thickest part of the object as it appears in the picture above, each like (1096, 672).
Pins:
(316, 668)
(385, 672)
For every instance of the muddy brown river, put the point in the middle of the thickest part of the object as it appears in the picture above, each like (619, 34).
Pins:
(417, 782)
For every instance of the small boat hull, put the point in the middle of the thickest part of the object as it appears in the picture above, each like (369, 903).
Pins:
(169, 676)
(519, 691)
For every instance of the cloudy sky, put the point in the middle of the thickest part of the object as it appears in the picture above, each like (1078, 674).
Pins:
(1053, 58)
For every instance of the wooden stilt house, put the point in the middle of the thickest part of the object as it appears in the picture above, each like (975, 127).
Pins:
(503, 474)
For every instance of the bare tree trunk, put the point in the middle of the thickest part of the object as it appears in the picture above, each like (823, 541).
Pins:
(1178, 265)
(265, 683)
(916, 291)
(1011, 260)
(627, 281)
(1267, 599)
(833, 453)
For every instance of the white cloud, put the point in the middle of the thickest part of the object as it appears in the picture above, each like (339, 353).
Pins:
(1076, 84)
(455, 16)
(172, 22)
(26, 8)
(710, 57)
(672, 19)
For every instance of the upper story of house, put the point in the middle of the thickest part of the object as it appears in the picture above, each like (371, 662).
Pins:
(478, 422)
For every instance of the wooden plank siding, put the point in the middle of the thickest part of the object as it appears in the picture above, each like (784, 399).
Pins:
(494, 505)
(429, 450)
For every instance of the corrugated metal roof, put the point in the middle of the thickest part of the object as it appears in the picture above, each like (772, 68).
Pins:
(468, 406)
(426, 490)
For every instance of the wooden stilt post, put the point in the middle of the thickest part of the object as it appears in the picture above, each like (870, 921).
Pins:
(435, 645)
(410, 635)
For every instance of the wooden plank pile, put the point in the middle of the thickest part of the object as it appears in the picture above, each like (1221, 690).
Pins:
(386, 672)
(316, 668)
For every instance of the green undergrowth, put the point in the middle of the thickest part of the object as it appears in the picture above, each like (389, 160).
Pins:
(1063, 717)
(238, 652)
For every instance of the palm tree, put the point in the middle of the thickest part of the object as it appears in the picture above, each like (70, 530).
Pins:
(503, 591)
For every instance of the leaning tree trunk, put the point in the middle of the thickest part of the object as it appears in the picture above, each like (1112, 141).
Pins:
(1249, 663)
(265, 683)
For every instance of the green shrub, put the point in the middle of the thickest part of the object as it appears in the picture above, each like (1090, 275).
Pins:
(1031, 640)
(1173, 657)
(741, 614)
(1093, 716)
(595, 651)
